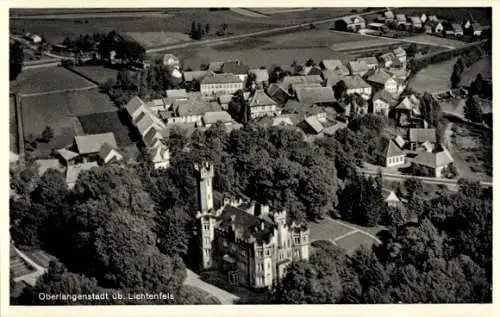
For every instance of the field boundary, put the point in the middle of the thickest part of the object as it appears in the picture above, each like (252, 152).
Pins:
(82, 75)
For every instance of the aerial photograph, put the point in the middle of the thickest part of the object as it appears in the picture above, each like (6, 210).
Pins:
(223, 156)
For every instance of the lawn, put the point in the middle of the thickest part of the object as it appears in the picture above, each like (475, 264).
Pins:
(98, 73)
(47, 79)
(106, 122)
(426, 38)
(60, 111)
(327, 229)
(354, 241)
(483, 67)
(155, 39)
(435, 77)
(475, 147)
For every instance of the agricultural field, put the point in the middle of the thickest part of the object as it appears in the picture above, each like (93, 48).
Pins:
(483, 67)
(271, 11)
(47, 79)
(475, 147)
(98, 73)
(155, 39)
(456, 105)
(175, 20)
(106, 122)
(436, 40)
(61, 111)
(435, 77)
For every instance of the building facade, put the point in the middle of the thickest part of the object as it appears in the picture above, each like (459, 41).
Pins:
(244, 239)
(220, 84)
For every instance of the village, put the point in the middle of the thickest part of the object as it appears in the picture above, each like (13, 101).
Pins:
(128, 102)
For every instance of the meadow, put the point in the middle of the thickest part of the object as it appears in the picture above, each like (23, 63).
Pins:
(435, 77)
(104, 122)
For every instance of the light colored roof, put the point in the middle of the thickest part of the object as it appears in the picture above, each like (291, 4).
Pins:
(212, 117)
(160, 153)
(401, 17)
(106, 149)
(73, 171)
(176, 93)
(392, 149)
(332, 77)
(354, 82)
(133, 106)
(432, 18)
(399, 141)
(387, 193)
(261, 75)
(194, 106)
(315, 95)
(152, 137)
(44, 165)
(223, 99)
(388, 57)
(434, 160)
(410, 102)
(358, 66)
(428, 146)
(332, 63)
(389, 14)
(260, 98)
(292, 80)
(415, 20)
(383, 95)
(13, 157)
(399, 51)
(331, 130)
(92, 143)
(144, 124)
(195, 75)
(226, 78)
(314, 123)
(421, 135)
(67, 154)
(215, 66)
(379, 77)
(370, 60)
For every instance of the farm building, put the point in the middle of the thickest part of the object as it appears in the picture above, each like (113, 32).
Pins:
(408, 108)
(332, 77)
(438, 162)
(89, 146)
(262, 105)
(356, 85)
(191, 110)
(388, 59)
(416, 22)
(400, 54)
(278, 94)
(214, 84)
(371, 61)
(315, 95)
(290, 81)
(334, 65)
(352, 24)
(418, 136)
(401, 19)
(236, 68)
(212, 117)
(108, 154)
(311, 125)
(457, 30)
(392, 155)
(261, 77)
(358, 67)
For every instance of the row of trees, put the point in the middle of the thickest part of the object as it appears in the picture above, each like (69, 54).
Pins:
(84, 43)
(16, 60)
(445, 258)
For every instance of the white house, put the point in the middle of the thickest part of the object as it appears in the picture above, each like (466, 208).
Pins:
(109, 154)
(393, 155)
(381, 103)
(356, 85)
(262, 105)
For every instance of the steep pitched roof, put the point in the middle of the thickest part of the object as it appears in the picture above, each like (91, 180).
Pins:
(384, 96)
(315, 95)
(313, 122)
(260, 98)
(212, 117)
(399, 51)
(389, 15)
(415, 20)
(106, 149)
(332, 77)
(261, 75)
(292, 80)
(410, 102)
(421, 135)
(358, 66)
(379, 77)
(401, 17)
(92, 143)
(399, 141)
(355, 82)
(226, 78)
(434, 160)
(391, 149)
(133, 106)
(66, 154)
(387, 193)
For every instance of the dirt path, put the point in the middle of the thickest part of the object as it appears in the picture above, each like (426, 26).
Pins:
(224, 297)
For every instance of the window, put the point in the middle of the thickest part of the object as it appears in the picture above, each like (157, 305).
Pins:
(296, 240)
(268, 252)
(206, 226)
(207, 240)
(260, 267)
(207, 251)
(304, 238)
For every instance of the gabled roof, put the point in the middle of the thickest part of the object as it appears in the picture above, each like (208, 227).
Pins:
(151, 137)
(216, 66)
(292, 80)
(194, 106)
(421, 135)
(278, 93)
(226, 78)
(176, 93)
(434, 160)
(331, 130)
(92, 143)
(391, 149)
(133, 106)
(195, 75)
(66, 154)
(387, 193)
(106, 149)
(314, 123)
(332, 77)
(410, 102)
(74, 171)
(399, 141)
(370, 60)
(355, 82)
(383, 95)
(379, 77)
(389, 14)
(457, 27)
(313, 95)
(415, 20)
(358, 66)
(159, 153)
(260, 98)
(401, 17)
(399, 51)
(212, 117)
(331, 63)
(261, 75)
(388, 57)
(432, 18)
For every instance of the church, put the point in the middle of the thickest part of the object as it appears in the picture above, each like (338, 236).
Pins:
(242, 238)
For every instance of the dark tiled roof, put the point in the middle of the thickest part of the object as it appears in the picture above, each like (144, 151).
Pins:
(391, 149)
(245, 225)
(422, 135)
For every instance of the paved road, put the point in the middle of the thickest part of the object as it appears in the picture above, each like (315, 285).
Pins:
(428, 180)
(242, 36)
(223, 296)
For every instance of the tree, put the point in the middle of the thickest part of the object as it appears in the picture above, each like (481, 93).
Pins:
(412, 50)
(310, 62)
(472, 110)
(455, 79)
(16, 60)
(47, 134)
(340, 89)
(207, 28)
(170, 231)
(431, 110)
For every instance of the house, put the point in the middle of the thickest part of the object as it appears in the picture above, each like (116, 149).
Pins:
(68, 157)
(409, 106)
(315, 95)
(358, 22)
(477, 29)
(436, 161)
(191, 110)
(214, 84)
(391, 199)
(278, 94)
(170, 60)
(448, 29)
(381, 103)
(334, 65)
(283, 120)
(352, 24)
(262, 105)
(418, 136)
(176, 94)
(160, 156)
(428, 146)
(212, 117)
(289, 81)
(108, 154)
(434, 26)
(196, 75)
(379, 79)
(389, 16)
(457, 29)
(261, 77)
(387, 59)
(73, 171)
(399, 71)
(311, 125)
(416, 22)
(358, 67)
(432, 18)
(332, 77)
(392, 155)
(371, 61)
(250, 244)
(401, 19)
(356, 85)
(310, 71)
(33, 38)
(88, 146)
(237, 68)
(400, 54)
(423, 18)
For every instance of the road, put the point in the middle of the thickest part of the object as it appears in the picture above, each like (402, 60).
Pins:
(32, 277)
(193, 279)
(428, 180)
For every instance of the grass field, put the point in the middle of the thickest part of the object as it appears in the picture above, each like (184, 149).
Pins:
(435, 77)
(155, 39)
(106, 122)
(426, 38)
(46, 79)
(99, 73)
(483, 67)
(475, 147)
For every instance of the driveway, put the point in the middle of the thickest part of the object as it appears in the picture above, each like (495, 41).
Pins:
(193, 279)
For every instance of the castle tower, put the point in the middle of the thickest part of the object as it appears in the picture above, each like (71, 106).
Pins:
(207, 221)
(304, 244)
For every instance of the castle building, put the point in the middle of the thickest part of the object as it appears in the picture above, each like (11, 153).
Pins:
(242, 238)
